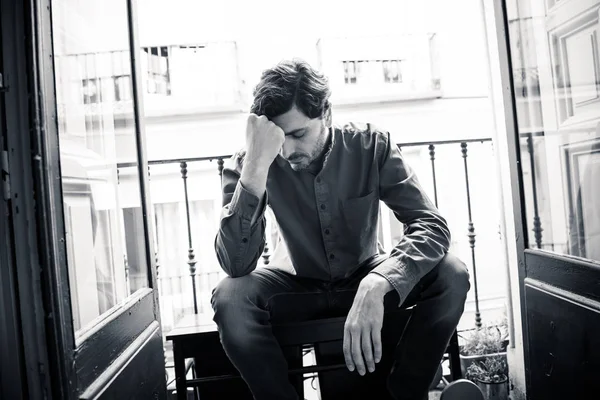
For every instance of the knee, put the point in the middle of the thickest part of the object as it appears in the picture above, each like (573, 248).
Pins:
(231, 293)
(237, 311)
(230, 305)
(455, 277)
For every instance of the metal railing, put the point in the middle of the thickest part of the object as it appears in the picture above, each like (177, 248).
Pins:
(471, 226)
(187, 290)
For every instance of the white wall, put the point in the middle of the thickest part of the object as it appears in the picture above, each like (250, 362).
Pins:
(462, 47)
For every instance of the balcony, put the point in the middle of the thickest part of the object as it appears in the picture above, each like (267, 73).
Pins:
(190, 78)
(186, 199)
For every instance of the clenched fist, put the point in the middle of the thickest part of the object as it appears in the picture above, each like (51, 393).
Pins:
(264, 140)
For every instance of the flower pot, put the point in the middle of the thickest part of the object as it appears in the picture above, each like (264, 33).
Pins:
(495, 390)
(465, 361)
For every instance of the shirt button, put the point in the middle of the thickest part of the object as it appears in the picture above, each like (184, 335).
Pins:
(331, 256)
(323, 206)
(318, 180)
(327, 231)
(244, 240)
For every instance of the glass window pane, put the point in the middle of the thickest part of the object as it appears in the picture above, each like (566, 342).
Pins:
(556, 71)
(98, 157)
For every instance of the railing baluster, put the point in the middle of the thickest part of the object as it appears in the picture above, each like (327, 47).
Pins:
(432, 157)
(159, 290)
(471, 235)
(158, 279)
(127, 284)
(537, 223)
(220, 166)
(191, 257)
(265, 254)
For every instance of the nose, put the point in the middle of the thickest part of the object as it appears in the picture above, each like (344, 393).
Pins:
(288, 148)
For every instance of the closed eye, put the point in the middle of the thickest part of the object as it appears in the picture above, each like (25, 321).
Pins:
(297, 134)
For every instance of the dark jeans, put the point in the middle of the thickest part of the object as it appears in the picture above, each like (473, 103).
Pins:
(246, 306)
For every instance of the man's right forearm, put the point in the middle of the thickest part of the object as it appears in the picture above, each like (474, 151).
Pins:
(240, 240)
(254, 180)
(241, 237)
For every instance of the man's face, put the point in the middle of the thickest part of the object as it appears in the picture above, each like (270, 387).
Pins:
(304, 137)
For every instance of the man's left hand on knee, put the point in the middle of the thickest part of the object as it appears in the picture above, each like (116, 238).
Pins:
(362, 331)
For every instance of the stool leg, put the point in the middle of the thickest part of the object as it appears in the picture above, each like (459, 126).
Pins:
(196, 388)
(294, 359)
(179, 372)
(454, 353)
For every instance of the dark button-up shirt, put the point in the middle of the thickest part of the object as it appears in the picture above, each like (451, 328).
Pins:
(328, 215)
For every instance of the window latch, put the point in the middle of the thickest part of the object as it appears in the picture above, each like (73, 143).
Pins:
(4, 175)
(3, 88)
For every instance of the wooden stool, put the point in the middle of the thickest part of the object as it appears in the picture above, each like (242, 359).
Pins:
(196, 337)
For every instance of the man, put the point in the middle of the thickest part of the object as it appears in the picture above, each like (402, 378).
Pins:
(323, 184)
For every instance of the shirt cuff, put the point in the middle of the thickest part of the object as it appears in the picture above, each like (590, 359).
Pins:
(245, 203)
(398, 276)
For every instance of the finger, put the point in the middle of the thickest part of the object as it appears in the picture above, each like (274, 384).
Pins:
(376, 337)
(347, 349)
(357, 356)
(367, 349)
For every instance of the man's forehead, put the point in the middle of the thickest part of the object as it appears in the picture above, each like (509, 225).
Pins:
(291, 121)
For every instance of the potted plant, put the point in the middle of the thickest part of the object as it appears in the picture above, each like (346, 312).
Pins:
(482, 343)
(491, 376)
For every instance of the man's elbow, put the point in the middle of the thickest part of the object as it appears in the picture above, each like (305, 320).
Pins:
(440, 231)
(231, 268)
(445, 235)
(228, 266)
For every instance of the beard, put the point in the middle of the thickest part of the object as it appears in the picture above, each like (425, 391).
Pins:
(303, 161)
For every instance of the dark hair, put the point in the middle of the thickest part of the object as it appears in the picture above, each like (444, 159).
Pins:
(289, 83)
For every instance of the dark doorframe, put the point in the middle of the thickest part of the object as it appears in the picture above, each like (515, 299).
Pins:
(27, 318)
(11, 346)
(46, 176)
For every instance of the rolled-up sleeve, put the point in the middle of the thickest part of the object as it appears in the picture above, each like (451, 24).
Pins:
(426, 236)
(240, 241)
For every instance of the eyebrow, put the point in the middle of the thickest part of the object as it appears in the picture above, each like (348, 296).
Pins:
(295, 131)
